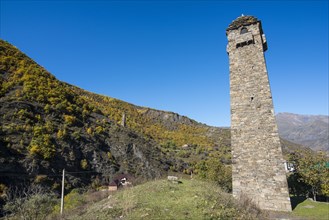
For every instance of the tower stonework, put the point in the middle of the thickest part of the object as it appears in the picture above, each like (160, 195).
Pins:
(258, 167)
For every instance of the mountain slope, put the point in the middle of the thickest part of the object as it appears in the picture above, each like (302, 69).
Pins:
(308, 130)
(159, 125)
(46, 126)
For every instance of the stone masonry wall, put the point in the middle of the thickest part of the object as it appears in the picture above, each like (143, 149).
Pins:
(258, 165)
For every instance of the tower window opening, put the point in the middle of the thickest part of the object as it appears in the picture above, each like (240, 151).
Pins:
(243, 30)
(250, 42)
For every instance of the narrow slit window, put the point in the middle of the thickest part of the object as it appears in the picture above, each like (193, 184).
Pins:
(243, 30)
(250, 42)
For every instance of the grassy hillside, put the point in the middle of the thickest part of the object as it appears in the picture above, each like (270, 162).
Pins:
(161, 199)
(312, 210)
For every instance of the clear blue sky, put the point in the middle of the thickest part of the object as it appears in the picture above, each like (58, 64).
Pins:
(171, 55)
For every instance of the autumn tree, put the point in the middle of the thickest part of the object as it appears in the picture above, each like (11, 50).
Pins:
(312, 169)
(214, 170)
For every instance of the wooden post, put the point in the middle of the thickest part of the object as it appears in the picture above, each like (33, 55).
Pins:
(62, 198)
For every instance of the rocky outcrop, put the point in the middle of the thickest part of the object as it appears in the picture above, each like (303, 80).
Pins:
(169, 119)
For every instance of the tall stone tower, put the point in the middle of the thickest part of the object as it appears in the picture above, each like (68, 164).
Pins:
(258, 166)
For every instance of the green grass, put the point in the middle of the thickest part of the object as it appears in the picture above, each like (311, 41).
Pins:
(312, 210)
(191, 199)
(161, 199)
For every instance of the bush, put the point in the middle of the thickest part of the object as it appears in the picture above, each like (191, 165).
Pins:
(76, 135)
(69, 119)
(214, 170)
(248, 209)
(3, 190)
(73, 199)
(99, 129)
(42, 145)
(40, 178)
(90, 131)
(311, 173)
(61, 134)
(32, 202)
(84, 164)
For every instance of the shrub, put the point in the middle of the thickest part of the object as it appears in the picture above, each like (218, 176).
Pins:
(99, 129)
(69, 119)
(56, 186)
(61, 134)
(250, 209)
(31, 202)
(40, 178)
(183, 154)
(49, 127)
(213, 169)
(3, 189)
(42, 145)
(310, 170)
(22, 113)
(84, 164)
(76, 135)
(90, 131)
(73, 199)
(47, 108)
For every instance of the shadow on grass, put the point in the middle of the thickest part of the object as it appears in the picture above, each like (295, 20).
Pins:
(295, 200)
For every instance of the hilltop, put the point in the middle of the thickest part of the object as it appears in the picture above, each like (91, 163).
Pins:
(190, 199)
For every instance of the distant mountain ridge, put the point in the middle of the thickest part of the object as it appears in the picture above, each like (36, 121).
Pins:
(308, 130)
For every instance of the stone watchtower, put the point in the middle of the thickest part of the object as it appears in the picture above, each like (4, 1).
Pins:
(258, 166)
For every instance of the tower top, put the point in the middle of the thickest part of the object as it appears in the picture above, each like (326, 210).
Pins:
(243, 20)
